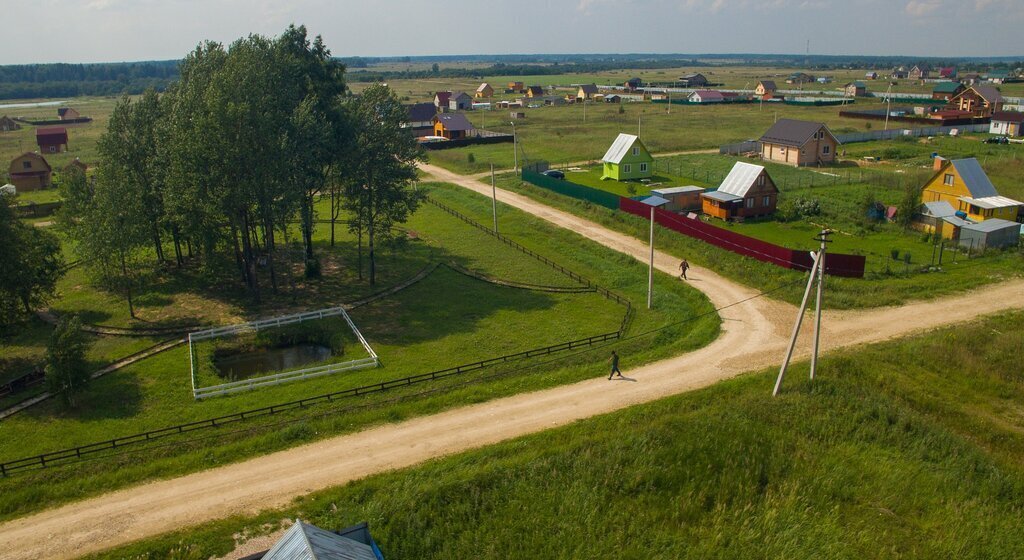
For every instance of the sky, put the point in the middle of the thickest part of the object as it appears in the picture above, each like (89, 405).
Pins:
(129, 30)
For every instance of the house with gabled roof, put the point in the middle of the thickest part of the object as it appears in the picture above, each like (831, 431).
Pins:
(800, 78)
(586, 91)
(441, 100)
(7, 124)
(420, 119)
(765, 88)
(534, 91)
(919, 72)
(944, 91)
(1007, 123)
(799, 143)
(309, 542)
(981, 100)
(938, 217)
(706, 96)
(633, 84)
(52, 139)
(694, 80)
(484, 91)
(30, 172)
(746, 192)
(627, 159)
(966, 187)
(68, 113)
(460, 101)
(453, 126)
(855, 89)
(947, 72)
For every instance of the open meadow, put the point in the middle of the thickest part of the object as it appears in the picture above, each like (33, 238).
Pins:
(909, 448)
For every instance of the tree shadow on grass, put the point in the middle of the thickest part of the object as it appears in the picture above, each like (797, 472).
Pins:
(116, 395)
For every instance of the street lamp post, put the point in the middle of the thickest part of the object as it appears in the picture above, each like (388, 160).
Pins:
(653, 202)
(888, 105)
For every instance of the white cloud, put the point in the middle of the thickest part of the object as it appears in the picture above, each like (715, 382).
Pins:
(921, 8)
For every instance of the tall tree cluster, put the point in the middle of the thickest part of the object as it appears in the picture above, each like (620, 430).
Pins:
(30, 265)
(246, 142)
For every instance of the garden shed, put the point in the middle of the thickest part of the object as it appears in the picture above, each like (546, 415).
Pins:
(680, 199)
(990, 234)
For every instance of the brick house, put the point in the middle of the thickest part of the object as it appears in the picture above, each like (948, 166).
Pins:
(799, 143)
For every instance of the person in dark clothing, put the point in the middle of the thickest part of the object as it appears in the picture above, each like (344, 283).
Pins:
(683, 267)
(615, 365)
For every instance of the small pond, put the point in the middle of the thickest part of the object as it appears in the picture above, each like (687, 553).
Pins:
(265, 361)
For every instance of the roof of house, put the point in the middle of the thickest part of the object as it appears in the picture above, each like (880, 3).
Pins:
(990, 202)
(482, 87)
(768, 84)
(57, 131)
(857, 85)
(994, 224)
(691, 76)
(989, 93)
(62, 110)
(308, 542)
(956, 221)
(740, 179)
(792, 132)
(443, 96)
(1008, 116)
(454, 121)
(938, 209)
(458, 94)
(589, 89)
(708, 94)
(34, 155)
(421, 112)
(947, 87)
(722, 196)
(677, 190)
(535, 90)
(619, 148)
(634, 81)
(974, 177)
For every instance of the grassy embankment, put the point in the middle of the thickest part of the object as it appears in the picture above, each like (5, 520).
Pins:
(911, 448)
(445, 320)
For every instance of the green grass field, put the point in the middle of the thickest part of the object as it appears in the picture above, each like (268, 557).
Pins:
(909, 449)
(445, 320)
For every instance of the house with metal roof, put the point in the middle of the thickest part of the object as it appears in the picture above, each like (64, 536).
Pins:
(30, 172)
(919, 72)
(535, 91)
(309, 542)
(52, 139)
(633, 84)
(765, 88)
(980, 100)
(990, 234)
(856, 89)
(420, 119)
(799, 143)
(453, 126)
(586, 91)
(441, 100)
(680, 199)
(460, 101)
(7, 124)
(1007, 123)
(706, 96)
(938, 217)
(627, 159)
(746, 192)
(484, 91)
(945, 91)
(693, 80)
(965, 186)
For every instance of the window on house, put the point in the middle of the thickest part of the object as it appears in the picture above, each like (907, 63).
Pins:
(636, 151)
(826, 148)
(26, 165)
(53, 149)
(766, 201)
(749, 202)
(626, 168)
(948, 179)
(760, 180)
(643, 167)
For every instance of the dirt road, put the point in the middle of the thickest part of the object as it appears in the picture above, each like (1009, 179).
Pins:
(754, 336)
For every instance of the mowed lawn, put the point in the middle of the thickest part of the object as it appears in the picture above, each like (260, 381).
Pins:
(447, 319)
(911, 449)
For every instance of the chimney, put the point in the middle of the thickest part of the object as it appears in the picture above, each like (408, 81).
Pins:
(939, 161)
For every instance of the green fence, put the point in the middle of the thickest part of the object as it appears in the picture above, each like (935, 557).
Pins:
(534, 175)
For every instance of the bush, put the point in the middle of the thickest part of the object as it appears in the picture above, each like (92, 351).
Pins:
(67, 372)
(470, 158)
(621, 109)
(894, 253)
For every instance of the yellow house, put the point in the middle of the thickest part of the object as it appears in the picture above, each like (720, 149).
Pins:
(965, 186)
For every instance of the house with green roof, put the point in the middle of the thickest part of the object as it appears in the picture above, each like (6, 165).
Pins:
(627, 159)
(944, 91)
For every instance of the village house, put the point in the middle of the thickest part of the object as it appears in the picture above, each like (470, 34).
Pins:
(30, 172)
(52, 140)
(693, 81)
(706, 96)
(944, 91)
(7, 124)
(981, 100)
(441, 100)
(948, 72)
(453, 126)
(799, 143)
(765, 89)
(626, 159)
(871, 75)
(421, 118)
(633, 84)
(484, 91)
(964, 185)
(800, 78)
(534, 91)
(612, 98)
(747, 192)
(997, 76)
(970, 79)
(515, 87)
(460, 101)
(68, 114)
(856, 89)
(586, 91)
(310, 542)
(919, 72)
(1007, 123)
(898, 74)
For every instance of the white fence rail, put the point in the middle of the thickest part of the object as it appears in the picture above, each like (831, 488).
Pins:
(281, 377)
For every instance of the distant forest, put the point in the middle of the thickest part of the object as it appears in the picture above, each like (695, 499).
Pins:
(114, 78)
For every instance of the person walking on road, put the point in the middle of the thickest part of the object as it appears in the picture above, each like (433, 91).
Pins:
(683, 267)
(615, 365)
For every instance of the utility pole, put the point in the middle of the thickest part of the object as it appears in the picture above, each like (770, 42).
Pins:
(494, 200)
(888, 104)
(817, 271)
(638, 126)
(584, 109)
(515, 151)
(650, 268)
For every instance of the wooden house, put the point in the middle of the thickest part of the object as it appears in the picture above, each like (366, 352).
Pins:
(52, 139)
(799, 143)
(460, 101)
(68, 114)
(747, 192)
(921, 72)
(627, 159)
(871, 75)
(800, 78)
(7, 124)
(694, 81)
(1007, 123)
(898, 74)
(944, 91)
(766, 89)
(30, 172)
(586, 91)
(965, 186)
(633, 84)
(515, 87)
(612, 98)
(706, 96)
(421, 118)
(534, 91)
(855, 89)
(680, 199)
(441, 100)
(484, 91)
(453, 126)
(938, 217)
(947, 73)
(981, 100)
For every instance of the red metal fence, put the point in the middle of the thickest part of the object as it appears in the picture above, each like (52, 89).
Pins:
(851, 266)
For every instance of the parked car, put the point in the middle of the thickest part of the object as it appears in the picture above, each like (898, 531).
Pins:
(997, 140)
(554, 174)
